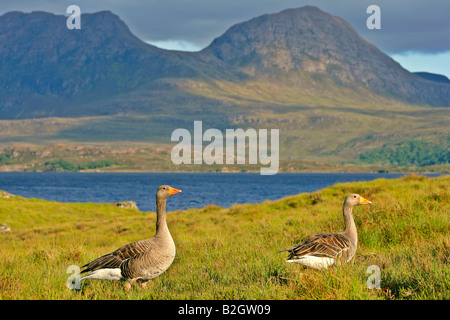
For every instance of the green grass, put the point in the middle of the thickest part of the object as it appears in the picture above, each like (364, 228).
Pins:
(64, 165)
(232, 253)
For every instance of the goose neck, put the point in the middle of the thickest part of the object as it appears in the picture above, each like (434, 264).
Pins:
(161, 225)
(350, 227)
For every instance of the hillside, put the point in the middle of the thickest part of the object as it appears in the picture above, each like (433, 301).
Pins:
(49, 70)
(232, 253)
(333, 96)
(313, 47)
(433, 77)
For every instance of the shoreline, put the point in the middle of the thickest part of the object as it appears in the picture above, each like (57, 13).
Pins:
(411, 172)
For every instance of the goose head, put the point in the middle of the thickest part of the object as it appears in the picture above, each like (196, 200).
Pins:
(354, 200)
(166, 191)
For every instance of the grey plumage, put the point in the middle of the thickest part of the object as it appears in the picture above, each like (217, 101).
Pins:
(141, 260)
(325, 249)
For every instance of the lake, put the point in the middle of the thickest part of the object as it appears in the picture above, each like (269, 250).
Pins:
(199, 189)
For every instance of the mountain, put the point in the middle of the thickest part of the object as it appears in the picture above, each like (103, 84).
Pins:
(335, 97)
(48, 70)
(308, 40)
(433, 77)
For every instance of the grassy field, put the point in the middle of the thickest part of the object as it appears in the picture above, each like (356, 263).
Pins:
(232, 253)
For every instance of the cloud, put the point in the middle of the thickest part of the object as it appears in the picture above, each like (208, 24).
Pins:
(406, 26)
(176, 45)
(412, 26)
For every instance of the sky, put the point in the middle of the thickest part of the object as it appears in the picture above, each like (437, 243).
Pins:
(415, 33)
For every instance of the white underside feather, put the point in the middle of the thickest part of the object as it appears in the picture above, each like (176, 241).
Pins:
(314, 262)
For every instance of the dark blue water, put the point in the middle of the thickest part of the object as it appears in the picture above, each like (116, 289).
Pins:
(199, 189)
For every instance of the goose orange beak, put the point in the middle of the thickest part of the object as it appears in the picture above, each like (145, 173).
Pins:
(173, 191)
(364, 201)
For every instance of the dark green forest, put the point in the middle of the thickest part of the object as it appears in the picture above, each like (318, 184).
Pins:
(409, 153)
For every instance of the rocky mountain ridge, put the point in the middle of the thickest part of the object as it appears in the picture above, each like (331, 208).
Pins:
(49, 70)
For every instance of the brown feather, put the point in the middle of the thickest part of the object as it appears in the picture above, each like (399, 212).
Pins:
(331, 245)
(117, 257)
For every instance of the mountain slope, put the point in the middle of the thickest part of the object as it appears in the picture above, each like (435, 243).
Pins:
(308, 40)
(433, 77)
(47, 69)
(103, 69)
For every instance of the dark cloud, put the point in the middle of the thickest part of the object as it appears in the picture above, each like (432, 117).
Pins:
(413, 25)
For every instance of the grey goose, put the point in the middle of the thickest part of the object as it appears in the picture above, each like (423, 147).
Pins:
(141, 260)
(322, 250)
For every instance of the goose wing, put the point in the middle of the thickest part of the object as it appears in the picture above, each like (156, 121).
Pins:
(116, 258)
(327, 245)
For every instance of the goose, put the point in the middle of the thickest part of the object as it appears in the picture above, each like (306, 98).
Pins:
(141, 260)
(323, 250)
